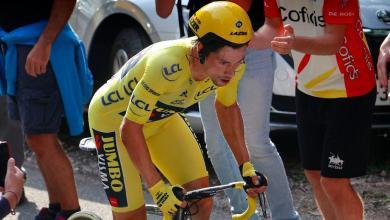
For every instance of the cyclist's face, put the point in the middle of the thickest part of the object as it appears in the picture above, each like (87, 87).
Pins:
(222, 64)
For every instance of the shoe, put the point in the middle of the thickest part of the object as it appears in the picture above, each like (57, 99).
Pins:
(87, 144)
(46, 214)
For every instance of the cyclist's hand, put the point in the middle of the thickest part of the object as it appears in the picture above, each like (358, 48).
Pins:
(256, 182)
(167, 197)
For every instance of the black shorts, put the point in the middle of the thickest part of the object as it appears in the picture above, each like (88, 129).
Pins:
(37, 102)
(334, 134)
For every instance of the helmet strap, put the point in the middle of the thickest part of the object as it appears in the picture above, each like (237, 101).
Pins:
(202, 57)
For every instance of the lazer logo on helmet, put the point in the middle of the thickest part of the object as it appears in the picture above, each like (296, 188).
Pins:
(110, 167)
(303, 15)
(239, 33)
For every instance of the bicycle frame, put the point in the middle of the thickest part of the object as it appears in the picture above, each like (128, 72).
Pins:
(211, 191)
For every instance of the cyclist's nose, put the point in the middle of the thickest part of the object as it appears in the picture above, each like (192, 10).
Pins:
(230, 71)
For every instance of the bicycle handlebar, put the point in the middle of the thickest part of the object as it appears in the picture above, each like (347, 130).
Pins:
(211, 191)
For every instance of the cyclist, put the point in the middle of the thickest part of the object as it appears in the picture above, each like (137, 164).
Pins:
(136, 122)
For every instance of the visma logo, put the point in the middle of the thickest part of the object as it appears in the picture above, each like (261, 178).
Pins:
(303, 15)
(168, 72)
(110, 168)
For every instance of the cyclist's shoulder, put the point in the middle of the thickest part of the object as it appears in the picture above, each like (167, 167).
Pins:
(168, 60)
(173, 48)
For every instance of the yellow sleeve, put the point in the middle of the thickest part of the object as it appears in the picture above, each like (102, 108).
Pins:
(227, 95)
(155, 81)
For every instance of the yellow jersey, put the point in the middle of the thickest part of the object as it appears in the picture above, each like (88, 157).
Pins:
(157, 82)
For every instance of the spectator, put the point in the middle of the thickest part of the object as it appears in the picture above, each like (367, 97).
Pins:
(45, 76)
(335, 94)
(12, 190)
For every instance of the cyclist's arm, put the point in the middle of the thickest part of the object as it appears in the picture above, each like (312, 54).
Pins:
(229, 116)
(134, 140)
(232, 127)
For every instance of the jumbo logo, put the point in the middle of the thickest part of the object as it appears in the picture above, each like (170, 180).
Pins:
(110, 168)
(168, 72)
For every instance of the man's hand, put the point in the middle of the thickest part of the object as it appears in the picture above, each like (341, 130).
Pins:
(383, 62)
(167, 197)
(256, 181)
(284, 44)
(38, 58)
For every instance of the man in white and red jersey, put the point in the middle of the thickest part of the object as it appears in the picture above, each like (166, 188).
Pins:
(335, 93)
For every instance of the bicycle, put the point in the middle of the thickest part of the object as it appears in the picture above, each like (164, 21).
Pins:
(193, 196)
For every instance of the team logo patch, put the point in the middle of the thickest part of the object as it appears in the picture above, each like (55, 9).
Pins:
(169, 72)
(205, 92)
(335, 162)
(110, 171)
(238, 24)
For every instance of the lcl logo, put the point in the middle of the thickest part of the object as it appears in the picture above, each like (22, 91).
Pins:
(383, 15)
